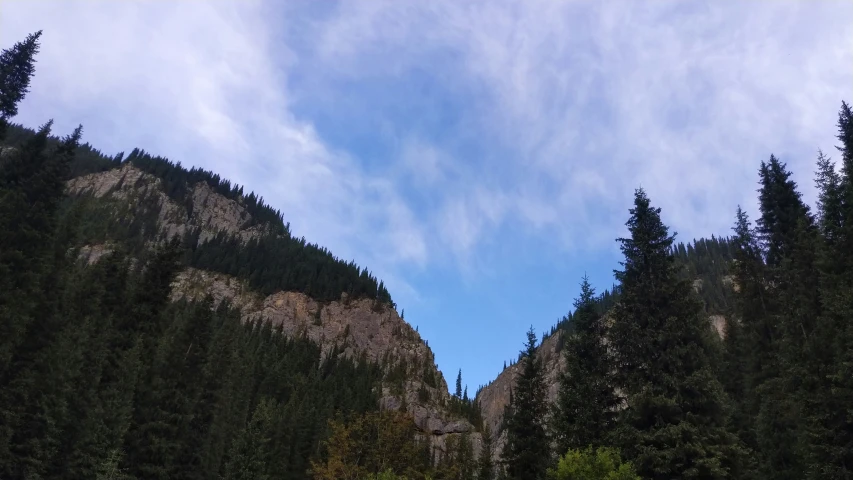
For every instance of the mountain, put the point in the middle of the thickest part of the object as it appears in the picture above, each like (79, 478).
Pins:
(238, 254)
(353, 325)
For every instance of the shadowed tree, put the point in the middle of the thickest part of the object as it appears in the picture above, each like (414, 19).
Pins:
(674, 425)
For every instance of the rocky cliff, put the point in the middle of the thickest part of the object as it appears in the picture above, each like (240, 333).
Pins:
(357, 326)
(206, 209)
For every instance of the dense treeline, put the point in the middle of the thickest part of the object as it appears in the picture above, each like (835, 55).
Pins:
(651, 384)
(465, 406)
(274, 263)
(707, 262)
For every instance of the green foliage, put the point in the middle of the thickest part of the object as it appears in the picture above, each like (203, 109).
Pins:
(592, 464)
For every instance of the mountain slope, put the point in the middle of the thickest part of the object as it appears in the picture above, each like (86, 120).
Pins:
(356, 326)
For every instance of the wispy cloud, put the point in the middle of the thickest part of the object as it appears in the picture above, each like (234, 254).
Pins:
(588, 100)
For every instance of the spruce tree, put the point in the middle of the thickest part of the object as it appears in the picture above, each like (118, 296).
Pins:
(33, 392)
(17, 65)
(788, 238)
(485, 468)
(526, 453)
(674, 422)
(586, 402)
(458, 392)
(830, 423)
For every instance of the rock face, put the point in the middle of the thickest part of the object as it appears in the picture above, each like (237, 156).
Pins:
(208, 210)
(92, 253)
(358, 326)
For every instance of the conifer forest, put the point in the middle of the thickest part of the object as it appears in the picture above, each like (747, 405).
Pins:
(105, 373)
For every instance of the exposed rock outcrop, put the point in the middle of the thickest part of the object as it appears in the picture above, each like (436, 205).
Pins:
(205, 209)
(357, 326)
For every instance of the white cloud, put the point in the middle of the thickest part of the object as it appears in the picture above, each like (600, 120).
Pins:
(592, 99)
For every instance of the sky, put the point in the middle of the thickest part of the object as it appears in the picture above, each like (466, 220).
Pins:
(479, 156)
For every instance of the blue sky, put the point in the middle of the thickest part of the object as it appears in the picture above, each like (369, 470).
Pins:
(480, 157)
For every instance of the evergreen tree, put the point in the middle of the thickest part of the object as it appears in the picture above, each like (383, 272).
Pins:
(17, 65)
(458, 392)
(674, 422)
(526, 453)
(33, 392)
(485, 468)
(753, 353)
(586, 403)
(830, 422)
(788, 237)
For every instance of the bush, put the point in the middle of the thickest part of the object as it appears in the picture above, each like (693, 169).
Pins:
(588, 464)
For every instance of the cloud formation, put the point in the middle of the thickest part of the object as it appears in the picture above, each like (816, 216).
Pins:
(588, 100)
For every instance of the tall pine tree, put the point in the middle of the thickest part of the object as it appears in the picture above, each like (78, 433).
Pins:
(674, 425)
(17, 66)
(586, 403)
(526, 453)
(787, 235)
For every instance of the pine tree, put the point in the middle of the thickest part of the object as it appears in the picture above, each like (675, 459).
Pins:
(586, 403)
(458, 393)
(830, 423)
(17, 65)
(526, 453)
(674, 422)
(754, 353)
(485, 468)
(789, 241)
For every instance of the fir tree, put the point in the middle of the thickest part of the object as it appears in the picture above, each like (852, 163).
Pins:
(586, 403)
(788, 237)
(458, 392)
(674, 422)
(17, 65)
(485, 468)
(830, 424)
(526, 453)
